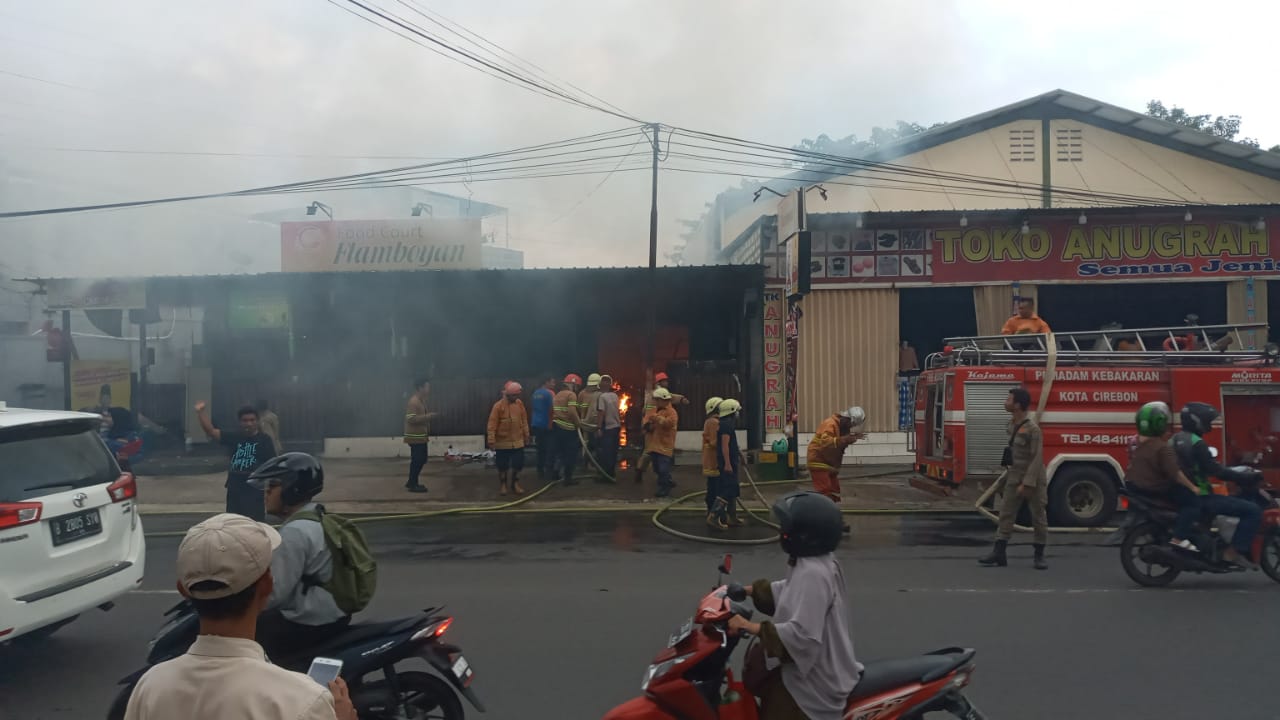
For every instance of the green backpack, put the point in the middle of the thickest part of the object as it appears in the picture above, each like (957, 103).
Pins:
(355, 572)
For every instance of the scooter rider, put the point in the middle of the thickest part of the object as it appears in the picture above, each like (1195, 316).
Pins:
(808, 647)
(1199, 464)
(301, 613)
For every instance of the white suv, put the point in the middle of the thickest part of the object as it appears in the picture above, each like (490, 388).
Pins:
(70, 536)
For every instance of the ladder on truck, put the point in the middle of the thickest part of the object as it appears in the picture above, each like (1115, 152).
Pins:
(1179, 345)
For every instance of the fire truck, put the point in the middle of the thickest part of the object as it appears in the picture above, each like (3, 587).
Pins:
(1086, 388)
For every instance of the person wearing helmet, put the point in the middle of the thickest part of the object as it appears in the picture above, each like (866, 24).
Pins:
(507, 435)
(589, 413)
(808, 641)
(722, 509)
(660, 438)
(300, 613)
(658, 381)
(1153, 464)
(826, 449)
(566, 422)
(711, 444)
(1199, 464)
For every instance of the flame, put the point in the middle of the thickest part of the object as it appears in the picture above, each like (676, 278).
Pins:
(624, 403)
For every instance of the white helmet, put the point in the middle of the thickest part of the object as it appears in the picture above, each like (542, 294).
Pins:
(855, 414)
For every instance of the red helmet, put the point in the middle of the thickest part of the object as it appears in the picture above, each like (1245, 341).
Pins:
(573, 379)
(512, 388)
(660, 377)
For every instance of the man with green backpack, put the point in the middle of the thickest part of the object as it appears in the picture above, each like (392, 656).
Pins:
(323, 570)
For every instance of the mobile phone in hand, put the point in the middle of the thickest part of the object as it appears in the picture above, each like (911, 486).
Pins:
(324, 670)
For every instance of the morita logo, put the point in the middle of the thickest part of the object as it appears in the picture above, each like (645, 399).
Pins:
(1251, 376)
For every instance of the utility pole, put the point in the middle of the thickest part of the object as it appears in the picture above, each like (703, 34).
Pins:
(651, 336)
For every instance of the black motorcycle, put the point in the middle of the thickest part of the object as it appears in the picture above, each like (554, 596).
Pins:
(369, 653)
(1151, 561)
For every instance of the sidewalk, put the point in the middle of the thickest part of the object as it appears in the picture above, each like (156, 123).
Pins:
(355, 486)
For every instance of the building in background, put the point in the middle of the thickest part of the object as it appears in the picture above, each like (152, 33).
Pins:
(1103, 214)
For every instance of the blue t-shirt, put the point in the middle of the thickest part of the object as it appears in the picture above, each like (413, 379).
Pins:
(728, 427)
(543, 400)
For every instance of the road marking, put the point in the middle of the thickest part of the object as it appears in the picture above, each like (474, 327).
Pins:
(1079, 591)
(153, 592)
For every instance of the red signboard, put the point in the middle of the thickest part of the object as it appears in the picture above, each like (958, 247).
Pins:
(1064, 250)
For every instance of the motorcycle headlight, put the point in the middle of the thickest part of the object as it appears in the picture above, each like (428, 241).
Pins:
(660, 670)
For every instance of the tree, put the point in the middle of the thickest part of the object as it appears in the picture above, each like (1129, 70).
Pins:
(1226, 127)
(851, 146)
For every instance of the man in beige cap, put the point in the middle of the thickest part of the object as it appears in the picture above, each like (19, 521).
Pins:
(224, 569)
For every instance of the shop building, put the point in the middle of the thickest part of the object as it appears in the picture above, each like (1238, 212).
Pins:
(1102, 214)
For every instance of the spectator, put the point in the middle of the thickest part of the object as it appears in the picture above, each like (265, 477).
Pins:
(249, 449)
(609, 416)
(1024, 481)
(543, 400)
(270, 424)
(417, 433)
(1026, 321)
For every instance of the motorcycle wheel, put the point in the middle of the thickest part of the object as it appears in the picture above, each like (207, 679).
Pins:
(1270, 560)
(427, 697)
(1144, 573)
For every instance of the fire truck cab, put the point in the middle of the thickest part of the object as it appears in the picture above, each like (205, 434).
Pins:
(1086, 388)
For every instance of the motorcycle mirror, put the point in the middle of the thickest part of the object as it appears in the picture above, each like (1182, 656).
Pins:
(726, 566)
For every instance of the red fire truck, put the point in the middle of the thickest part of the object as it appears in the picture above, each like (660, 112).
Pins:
(1088, 386)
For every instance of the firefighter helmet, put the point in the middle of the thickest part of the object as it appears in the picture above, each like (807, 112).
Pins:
(662, 394)
(729, 407)
(572, 379)
(1153, 419)
(593, 379)
(1198, 417)
(855, 414)
(660, 377)
(714, 404)
(512, 388)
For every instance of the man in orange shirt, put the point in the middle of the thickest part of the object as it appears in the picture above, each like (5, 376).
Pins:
(508, 434)
(660, 428)
(826, 450)
(1026, 321)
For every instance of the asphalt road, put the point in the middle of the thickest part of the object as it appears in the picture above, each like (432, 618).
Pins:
(560, 615)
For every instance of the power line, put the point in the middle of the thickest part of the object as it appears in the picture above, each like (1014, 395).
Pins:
(599, 185)
(193, 153)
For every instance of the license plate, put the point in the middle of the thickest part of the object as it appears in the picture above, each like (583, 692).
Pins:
(461, 669)
(69, 528)
(684, 632)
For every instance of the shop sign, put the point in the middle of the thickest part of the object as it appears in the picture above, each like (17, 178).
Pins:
(1067, 250)
(97, 294)
(856, 255)
(775, 396)
(100, 384)
(356, 245)
(790, 215)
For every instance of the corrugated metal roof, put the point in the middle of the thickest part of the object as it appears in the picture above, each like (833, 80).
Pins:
(661, 269)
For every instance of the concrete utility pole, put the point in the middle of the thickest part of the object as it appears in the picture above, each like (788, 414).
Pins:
(651, 336)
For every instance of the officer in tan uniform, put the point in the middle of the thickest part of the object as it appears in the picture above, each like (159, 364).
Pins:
(224, 569)
(1024, 481)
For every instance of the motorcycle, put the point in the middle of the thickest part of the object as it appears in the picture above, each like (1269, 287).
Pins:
(364, 649)
(691, 679)
(1150, 561)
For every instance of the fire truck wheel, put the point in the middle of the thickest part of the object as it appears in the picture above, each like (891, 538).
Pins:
(1082, 496)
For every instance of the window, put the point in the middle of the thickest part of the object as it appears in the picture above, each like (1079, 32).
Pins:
(1022, 145)
(46, 459)
(1070, 144)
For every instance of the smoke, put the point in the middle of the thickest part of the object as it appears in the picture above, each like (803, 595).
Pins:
(304, 78)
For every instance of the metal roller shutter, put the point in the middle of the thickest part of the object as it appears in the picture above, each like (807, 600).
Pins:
(986, 426)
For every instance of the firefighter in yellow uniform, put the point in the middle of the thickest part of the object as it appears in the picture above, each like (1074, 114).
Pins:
(508, 434)
(588, 412)
(565, 424)
(661, 380)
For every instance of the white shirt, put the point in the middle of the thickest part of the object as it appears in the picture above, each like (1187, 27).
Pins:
(224, 678)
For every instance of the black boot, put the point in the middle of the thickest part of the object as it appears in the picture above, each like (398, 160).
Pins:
(997, 556)
(1040, 564)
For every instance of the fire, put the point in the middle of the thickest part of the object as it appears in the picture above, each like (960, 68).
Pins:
(624, 402)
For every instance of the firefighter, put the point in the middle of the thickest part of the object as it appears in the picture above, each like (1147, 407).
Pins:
(566, 424)
(661, 380)
(1026, 321)
(588, 412)
(710, 450)
(826, 450)
(723, 512)
(417, 427)
(508, 435)
(660, 437)
(1024, 481)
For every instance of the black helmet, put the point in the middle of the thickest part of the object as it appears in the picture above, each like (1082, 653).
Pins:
(1198, 417)
(811, 524)
(298, 474)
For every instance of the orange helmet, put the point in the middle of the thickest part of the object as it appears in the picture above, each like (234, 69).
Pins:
(573, 379)
(660, 377)
(512, 388)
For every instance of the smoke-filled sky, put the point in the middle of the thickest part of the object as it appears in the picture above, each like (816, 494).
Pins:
(261, 84)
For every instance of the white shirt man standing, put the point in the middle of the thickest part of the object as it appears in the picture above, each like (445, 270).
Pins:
(224, 569)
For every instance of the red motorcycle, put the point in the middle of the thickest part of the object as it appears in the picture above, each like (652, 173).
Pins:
(691, 679)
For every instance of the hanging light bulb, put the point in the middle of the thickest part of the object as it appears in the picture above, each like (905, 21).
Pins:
(1187, 217)
(1260, 225)
(1083, 220)
(964, 221)
(1026, 227)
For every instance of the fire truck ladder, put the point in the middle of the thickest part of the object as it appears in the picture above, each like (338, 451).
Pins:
(1185, 345)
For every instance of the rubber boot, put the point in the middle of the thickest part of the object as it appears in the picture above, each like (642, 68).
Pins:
(502, 483)
(515, 485)
(1039, 562)
(716, 518)
(734, 520)
(997, 556)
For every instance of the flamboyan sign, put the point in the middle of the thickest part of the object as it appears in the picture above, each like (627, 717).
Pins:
(1067, 250)
(355, 245)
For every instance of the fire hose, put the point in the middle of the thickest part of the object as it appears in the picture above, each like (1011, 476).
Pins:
(1050, 371)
